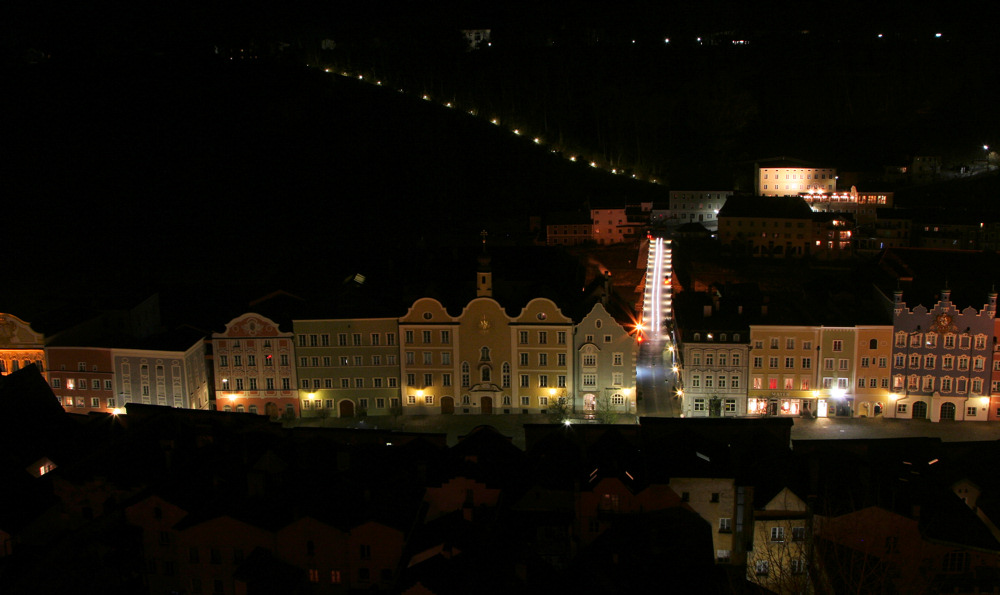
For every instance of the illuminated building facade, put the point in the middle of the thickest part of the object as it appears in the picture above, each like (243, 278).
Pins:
(568, 234)
(254, 368)
(832, 236)
(698, 206)
(604, 355)
(617, 225)
(941, 359)
(994, 412)
(174, 377)
(873, 394)
(82, 378)
(767, 227)
(862, 205)
(784, 371)
(714, 372)
(484, 361)
(347, 367)
(779, 558)
(790, 181)
(20, 346)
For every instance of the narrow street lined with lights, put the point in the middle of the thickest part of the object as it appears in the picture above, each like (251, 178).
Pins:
(656, 370)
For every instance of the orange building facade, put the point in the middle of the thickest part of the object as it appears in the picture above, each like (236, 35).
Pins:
(82, 378)
(254, 365)
(20, 346)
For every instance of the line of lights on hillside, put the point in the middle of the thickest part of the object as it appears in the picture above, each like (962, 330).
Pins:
(496, 122)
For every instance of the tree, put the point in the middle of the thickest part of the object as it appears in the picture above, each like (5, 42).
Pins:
(605, 411)
(559, 411)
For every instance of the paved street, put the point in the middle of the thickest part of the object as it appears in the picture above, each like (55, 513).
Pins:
(804, 429)
(655, 381)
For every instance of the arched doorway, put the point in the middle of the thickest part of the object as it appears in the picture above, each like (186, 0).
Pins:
(346, 408)
(919, 410)
(447, 405)
(271, 410)
(589, 404)
(947, 411)
(486, 405)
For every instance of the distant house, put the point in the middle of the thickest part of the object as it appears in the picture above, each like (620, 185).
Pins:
(476, 38)
(767, 226)
(701, 206)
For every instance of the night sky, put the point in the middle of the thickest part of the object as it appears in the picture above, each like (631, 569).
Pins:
(137, 156)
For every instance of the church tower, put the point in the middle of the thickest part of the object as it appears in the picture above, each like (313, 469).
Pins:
(484, 276)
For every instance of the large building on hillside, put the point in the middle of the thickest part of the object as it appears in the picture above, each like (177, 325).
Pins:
(701, 206)
(769, 227)
(863, 206)
(790, 181)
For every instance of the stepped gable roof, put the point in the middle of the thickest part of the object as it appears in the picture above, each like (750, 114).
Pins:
(764, 207)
